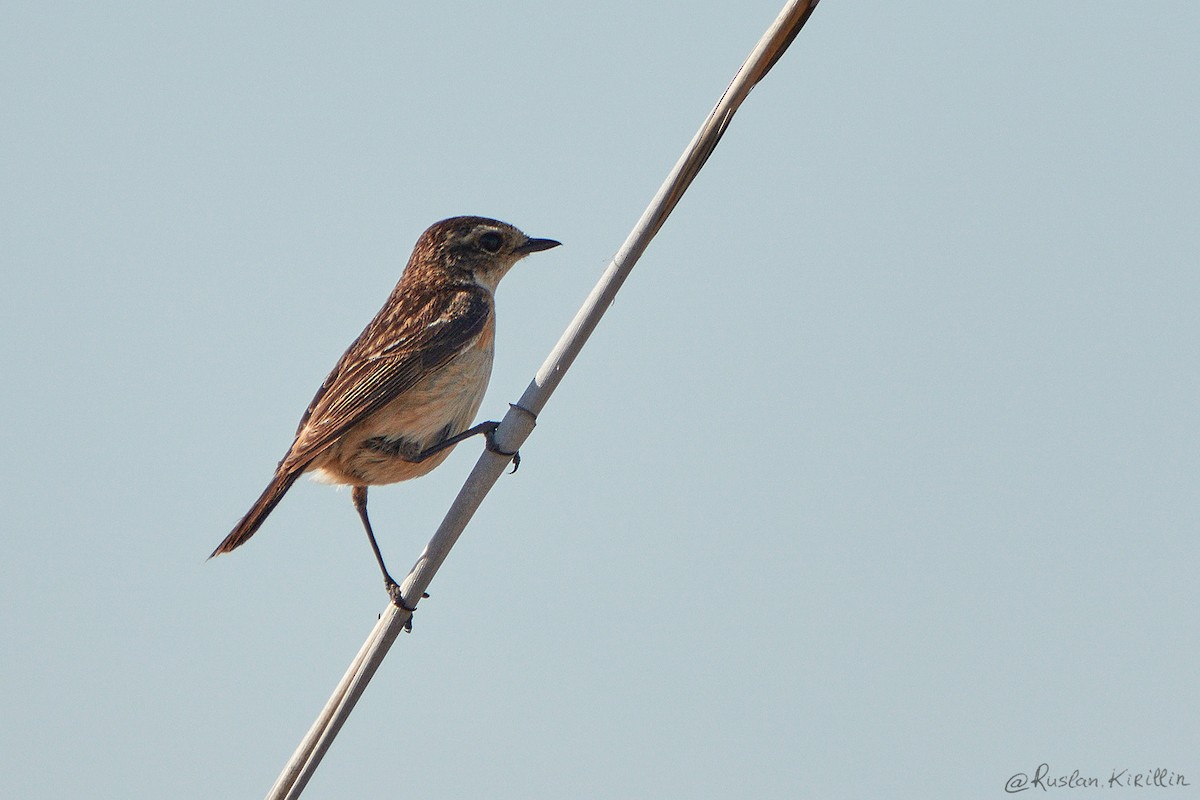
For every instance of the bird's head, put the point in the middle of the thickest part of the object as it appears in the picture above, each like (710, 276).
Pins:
(481, 248)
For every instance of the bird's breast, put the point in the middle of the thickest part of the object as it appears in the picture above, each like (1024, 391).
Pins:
(444, 403)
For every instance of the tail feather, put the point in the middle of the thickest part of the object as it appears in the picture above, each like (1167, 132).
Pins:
(258, 512)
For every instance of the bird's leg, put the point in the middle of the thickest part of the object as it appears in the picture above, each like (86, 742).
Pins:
(359, 496)
(488, 429)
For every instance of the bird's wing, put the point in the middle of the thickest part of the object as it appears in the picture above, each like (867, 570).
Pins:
(390, 357)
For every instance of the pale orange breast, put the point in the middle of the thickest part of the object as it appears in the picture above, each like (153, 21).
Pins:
(442, 404)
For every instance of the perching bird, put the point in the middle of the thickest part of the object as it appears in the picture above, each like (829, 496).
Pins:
(407, 389)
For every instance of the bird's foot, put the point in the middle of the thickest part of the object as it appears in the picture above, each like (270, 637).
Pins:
(397, 597)
(490, 436)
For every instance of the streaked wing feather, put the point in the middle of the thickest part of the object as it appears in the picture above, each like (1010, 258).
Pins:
(389, 358)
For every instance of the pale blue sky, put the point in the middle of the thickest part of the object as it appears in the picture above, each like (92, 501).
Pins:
(879, 479)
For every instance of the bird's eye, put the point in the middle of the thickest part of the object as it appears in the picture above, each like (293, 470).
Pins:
(491, 242)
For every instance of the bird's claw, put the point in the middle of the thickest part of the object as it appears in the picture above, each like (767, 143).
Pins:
(490, 437)
(397, 598)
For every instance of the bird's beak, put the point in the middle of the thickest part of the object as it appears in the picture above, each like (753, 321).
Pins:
(536, 245)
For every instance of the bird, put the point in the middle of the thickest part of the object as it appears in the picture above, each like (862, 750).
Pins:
(407, 389)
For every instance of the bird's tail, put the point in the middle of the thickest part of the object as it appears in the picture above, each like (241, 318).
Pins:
(258, 512)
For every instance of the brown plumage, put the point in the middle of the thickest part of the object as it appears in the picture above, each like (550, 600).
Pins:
(409, 386)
